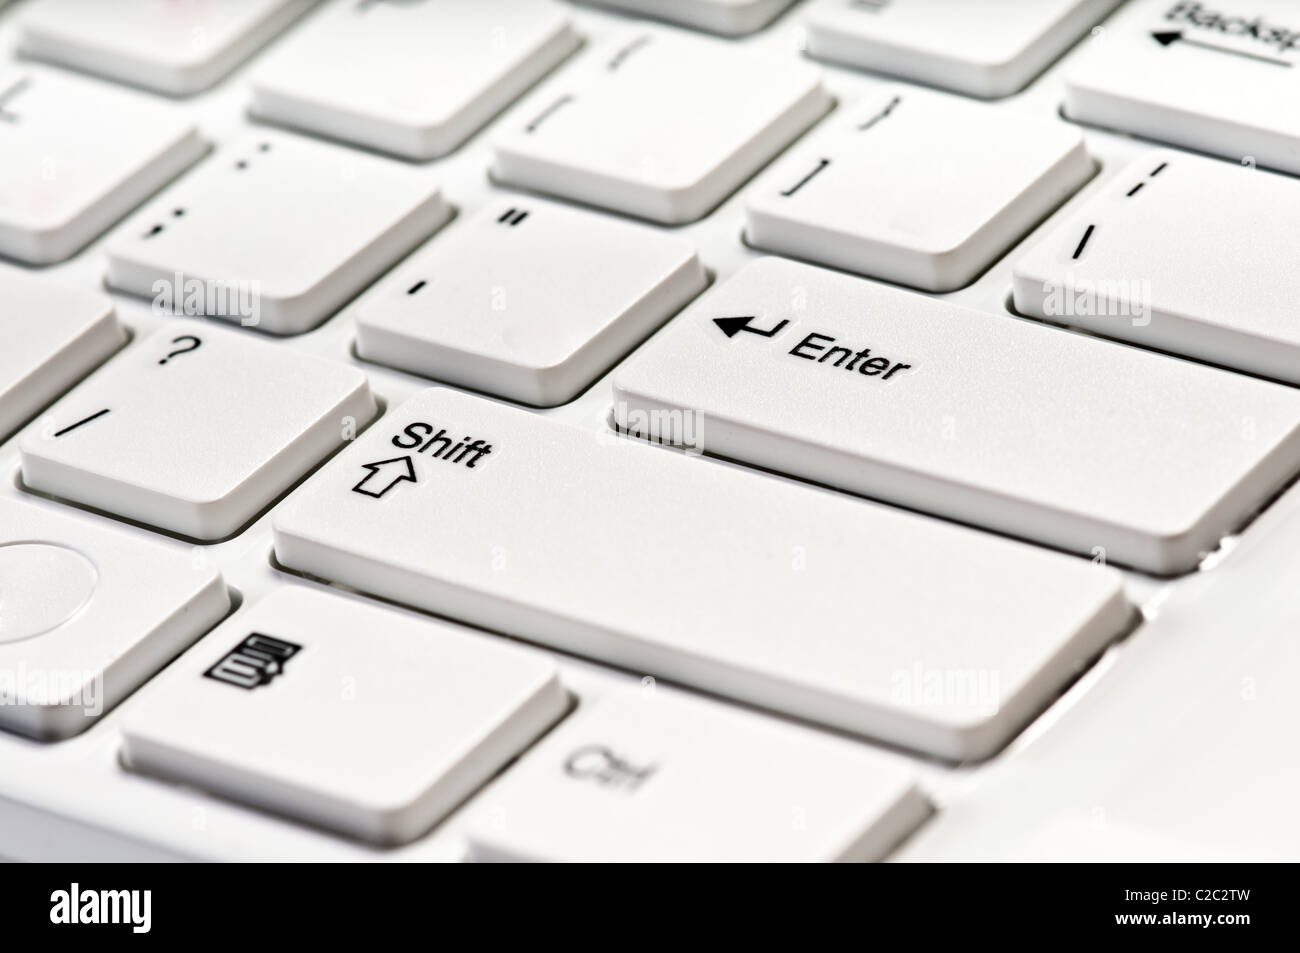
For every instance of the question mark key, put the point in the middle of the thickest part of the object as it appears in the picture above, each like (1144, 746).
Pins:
(186, 342)
(202, 444)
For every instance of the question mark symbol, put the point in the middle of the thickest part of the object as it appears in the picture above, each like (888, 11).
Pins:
(184, 350)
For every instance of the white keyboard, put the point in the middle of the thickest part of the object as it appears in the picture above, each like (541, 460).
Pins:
(718, 430)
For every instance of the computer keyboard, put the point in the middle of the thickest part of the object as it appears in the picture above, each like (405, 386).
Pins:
(791, 430)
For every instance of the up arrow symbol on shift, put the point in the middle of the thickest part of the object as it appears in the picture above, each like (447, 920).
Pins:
(385, 475)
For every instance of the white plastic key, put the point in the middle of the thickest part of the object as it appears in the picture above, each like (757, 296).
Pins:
(530, 300)
(171, 46)
(728, 17)
(657, 777)
(75, 156)
(659, 125)
(196, 429)
(1206, 76)
(420, 77)
(1180, 253)
(1034, 431)
(88, 613)
(228, 229)
(981, 49)
(885, 194)
(54, 335)
(824, 608)
(346, 715)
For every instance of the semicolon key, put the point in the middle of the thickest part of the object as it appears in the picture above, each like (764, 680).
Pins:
(224, 227)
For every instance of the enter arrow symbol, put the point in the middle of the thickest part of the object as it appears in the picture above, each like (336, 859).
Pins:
(733, 326)
(385, 475)
(1169, 37)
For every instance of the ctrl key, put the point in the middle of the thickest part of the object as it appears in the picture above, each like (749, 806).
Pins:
(653, 777)
(345, 715)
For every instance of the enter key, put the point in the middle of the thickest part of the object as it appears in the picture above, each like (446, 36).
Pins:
(1086, 445)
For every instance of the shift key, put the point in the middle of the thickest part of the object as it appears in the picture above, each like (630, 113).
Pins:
(1082, 444)
(839, 611)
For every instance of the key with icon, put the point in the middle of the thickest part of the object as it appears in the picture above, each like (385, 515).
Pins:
(427, 713)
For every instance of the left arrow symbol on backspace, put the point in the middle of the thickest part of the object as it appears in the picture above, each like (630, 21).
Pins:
(1169, 37)
(733, 326)
(385, 475)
